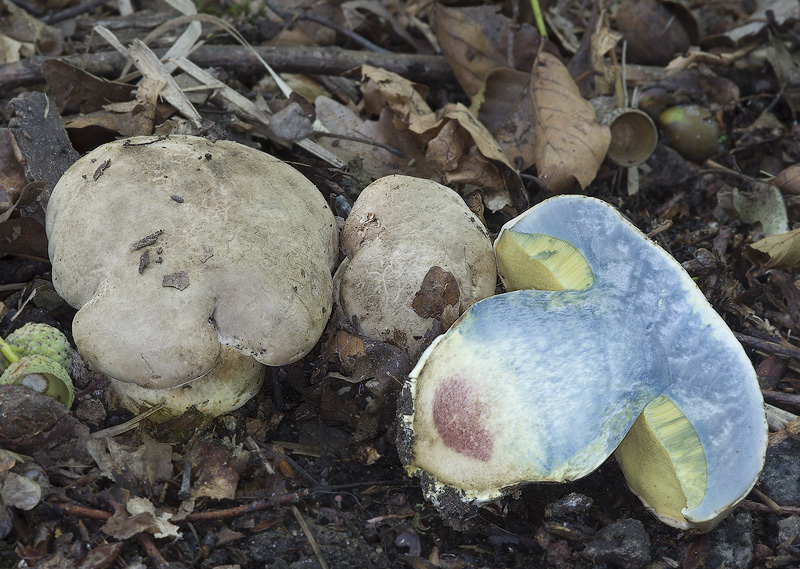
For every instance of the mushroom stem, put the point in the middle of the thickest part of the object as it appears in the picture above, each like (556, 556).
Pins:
(7, 351)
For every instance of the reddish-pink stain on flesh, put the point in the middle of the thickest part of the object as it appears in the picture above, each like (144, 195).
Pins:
(458, 416)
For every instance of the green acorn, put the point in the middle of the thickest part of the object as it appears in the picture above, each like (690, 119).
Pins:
(43, 375)
(42, 339)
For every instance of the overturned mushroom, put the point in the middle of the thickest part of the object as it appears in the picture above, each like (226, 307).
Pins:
(182, 301)
(417, 257)
(543, 385)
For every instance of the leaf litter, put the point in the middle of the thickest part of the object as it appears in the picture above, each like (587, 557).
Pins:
(508, 123)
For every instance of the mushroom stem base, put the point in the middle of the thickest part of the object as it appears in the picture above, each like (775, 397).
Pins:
(230, 384)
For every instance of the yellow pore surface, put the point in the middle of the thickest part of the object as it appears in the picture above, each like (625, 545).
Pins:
(663, 460)
(541, 262)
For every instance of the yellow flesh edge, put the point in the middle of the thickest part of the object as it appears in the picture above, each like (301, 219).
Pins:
(663, 460)
(541, 262)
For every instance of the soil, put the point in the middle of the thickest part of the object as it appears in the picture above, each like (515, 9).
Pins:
(307, 473)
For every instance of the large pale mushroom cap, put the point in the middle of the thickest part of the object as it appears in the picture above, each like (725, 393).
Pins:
(417, 257)
(241, 248)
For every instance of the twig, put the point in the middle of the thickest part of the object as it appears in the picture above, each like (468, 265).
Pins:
(28, 7)
(764, 508)
(282, 500)
(261, 506)
(83, 511)
(147, 543)
(396, 151)
(74, 11)
(769, 347)
(127, 425)
(358, 38)
(309, 536)
(430, 69)
(780, 398)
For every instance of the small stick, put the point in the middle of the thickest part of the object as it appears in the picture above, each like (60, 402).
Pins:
(282, 500)
(252, 445)
(150, 547)
(759, 507)
(310, 537)
(769, 347)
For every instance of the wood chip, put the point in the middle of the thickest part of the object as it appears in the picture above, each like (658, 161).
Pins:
(146, 241)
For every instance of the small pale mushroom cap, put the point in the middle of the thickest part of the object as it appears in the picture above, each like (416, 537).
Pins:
(537, 385)
(241, 252)
(417, 257)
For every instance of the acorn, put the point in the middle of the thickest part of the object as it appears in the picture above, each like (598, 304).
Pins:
(43, 375)
(693, 131)
(42, 339)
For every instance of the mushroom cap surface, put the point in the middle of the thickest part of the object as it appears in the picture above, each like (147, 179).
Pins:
(240, 246)
(417, 257)
(544, 385)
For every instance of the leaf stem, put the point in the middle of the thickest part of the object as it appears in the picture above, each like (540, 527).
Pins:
(537, 15)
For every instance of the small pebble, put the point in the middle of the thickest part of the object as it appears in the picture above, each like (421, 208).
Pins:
(624, 543)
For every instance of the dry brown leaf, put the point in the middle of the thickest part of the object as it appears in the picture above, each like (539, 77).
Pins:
(383, 88)
(74, 89)
(371, 147)
(570, 143)
(776, 251)
(788, 180)
(460, 153)
(603, 40)
(215, 468)
(23, 237)
(470, 53)
(507, 112)
(754, 201)
(149, 464)
(143, 518)
(484, 166)
(12, 171)
(22, 35)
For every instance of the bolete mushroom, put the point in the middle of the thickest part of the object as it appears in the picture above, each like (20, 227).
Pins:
(192, 264)
(417, 257)
(543, 385)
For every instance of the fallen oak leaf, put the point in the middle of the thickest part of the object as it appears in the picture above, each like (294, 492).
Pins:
(570, 143)
(488, 168)
(776, 251)
(507, 112)
(465, 46)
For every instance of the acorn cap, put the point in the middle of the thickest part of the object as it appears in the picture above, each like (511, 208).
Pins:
(42, 339)
(43, 375)
(634, 136)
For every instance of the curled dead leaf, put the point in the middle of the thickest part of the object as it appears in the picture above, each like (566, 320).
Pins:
(507, 112)
(570, 143)
(755, 201)
(788, 180)
(780, 251)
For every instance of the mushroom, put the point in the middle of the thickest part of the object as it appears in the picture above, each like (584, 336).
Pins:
(543, 385)
(417, 257)
(193, 264)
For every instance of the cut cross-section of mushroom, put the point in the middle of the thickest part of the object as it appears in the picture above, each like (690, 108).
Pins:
(537, 385)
